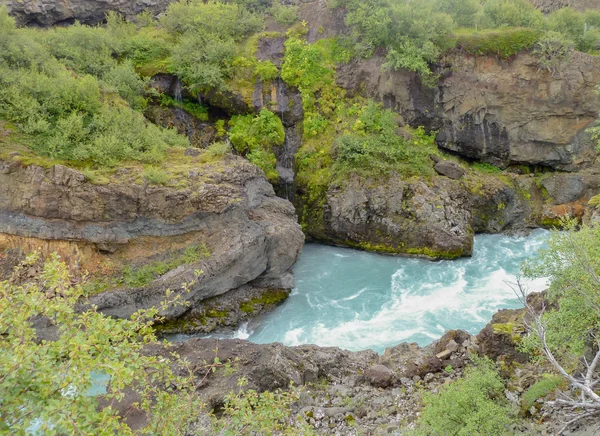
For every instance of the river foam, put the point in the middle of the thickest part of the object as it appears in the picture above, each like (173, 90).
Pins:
(358, 300)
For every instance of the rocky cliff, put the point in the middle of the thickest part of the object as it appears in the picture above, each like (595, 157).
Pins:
(502, 112)
(51, 12)
(220, 218)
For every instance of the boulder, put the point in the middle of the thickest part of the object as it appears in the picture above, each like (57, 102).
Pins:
(449, 169)
(379, 376)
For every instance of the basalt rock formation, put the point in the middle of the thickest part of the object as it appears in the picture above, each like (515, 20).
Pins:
(47, 13)
(491, 110)
(247, 236)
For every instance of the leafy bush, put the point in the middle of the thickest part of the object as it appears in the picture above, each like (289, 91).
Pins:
(72, 116)
(248, 132)
(125, 81)
(581, 28)
(511, 13)
(46, 385)
(250, 412)
(156, 175)
(472, 405)
(572, 265)
(266, 161)
(465, 13)
(266, 71)
(374, 148)
(225, 20)
(255, 137)
(553, 50)
(414, 32)
(284, 14)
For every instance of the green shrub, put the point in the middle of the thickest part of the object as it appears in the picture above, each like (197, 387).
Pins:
(250, 412)
(125, 81)
(571, 263)
(553, 50)
(156, 176)
(225, 20)
(284, 14)
(266, 71)
(540, 389)
(581, 28)
(511, 13)
(472, 405)
(266, 161)
(47, 386)
(218, 149)
(248, 132)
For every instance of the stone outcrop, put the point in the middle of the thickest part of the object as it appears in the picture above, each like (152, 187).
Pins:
(501, 112)
(250, 235)
(47, 13)
(548, 6)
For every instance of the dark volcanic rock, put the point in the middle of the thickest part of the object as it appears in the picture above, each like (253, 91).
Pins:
(52, 12)
(449, 169)
(251, 235)
(379, 376)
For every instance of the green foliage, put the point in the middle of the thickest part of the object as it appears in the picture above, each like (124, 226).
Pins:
(595, 201)
(156, 175)
(414, 32)
(284, 14)
(485, 167)
(465, 13)
(226, 20)
(47, 385)
(311, 68)
(72, 116)
(472, 405)
(266, 161)
(255, 137)
(137, 277)
(553, 50)
(572, 265)
(503, 43)
(266, 71)
(581, 28)
(511, 13)
(540, 389)
(206, 34)
(374, 148)
(191, 107)
(250, 412)
(248, 132)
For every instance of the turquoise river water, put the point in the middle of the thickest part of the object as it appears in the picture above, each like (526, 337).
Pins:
(358, 300)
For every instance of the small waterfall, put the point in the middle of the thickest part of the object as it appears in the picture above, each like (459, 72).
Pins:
(177, 91)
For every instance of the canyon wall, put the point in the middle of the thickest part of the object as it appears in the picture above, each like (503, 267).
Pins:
(247, 234)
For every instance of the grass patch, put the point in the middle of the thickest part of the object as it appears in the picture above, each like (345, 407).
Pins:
(137, 277)
(503, 43)
(485, 168)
